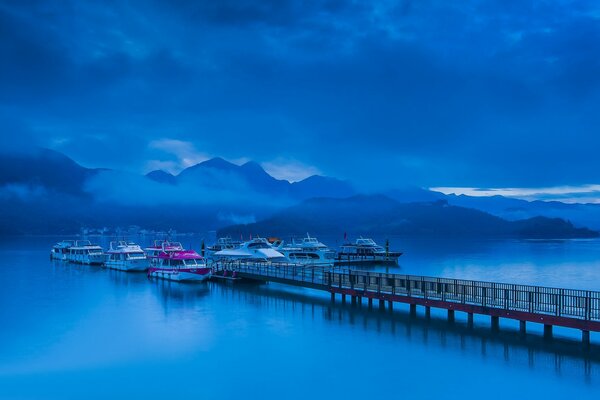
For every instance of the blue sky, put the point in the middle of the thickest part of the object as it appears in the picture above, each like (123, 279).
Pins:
(480, 94)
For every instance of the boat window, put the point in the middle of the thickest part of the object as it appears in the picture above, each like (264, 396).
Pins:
(258, 245)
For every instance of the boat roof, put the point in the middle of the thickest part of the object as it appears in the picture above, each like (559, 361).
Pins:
(124, 247)
(180, 255)
(165, 245)
(65, 243)
(365, 241)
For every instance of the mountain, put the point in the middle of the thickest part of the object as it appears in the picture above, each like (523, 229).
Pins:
(378, 214)
(161, 176)
(44, 191)
(218, 172)
(321, 186)
(514, 209)
(44, 169)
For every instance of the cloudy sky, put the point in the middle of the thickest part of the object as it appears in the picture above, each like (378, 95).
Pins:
(479, 94)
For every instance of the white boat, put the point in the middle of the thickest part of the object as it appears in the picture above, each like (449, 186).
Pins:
(224, 243)
(159, 247)
(307, 251)
(60, 251)
(180, 265)
(84, 252)
(126, 256)
(254, 249)
(366, 251)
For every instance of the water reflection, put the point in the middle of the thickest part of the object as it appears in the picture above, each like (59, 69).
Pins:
(563, 357)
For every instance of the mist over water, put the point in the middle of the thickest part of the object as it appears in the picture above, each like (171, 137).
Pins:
(72, 331)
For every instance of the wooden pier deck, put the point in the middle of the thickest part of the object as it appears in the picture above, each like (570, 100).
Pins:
(571, 308)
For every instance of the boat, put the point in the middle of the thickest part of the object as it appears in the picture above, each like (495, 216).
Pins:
(126, 256)
(84, 252)
(180, 265)
(223, 243)
(307, 251)
(60, 251)
(159, 247)
(257, 249)
(366, 251)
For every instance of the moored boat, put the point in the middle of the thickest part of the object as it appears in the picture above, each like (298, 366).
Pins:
(126, 256)
(180, 265)
(257, 249)
(308, 251)
(84, 252)
(60, 251)
(366, 251)
(223, 243)
(159, 247)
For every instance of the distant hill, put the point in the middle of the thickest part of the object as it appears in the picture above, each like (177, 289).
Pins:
(515, 209)
(45, 169)
(161, 176)
(222, 174)
(379, 214)
(44, 191)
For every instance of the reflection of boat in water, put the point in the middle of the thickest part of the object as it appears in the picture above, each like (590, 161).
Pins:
(84, 252)
(254, 249)
(307, 251)
(366, 251)
(179, 265)
(126, 256)
(60, 251)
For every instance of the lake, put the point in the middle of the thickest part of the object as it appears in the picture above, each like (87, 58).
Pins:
(72, 331)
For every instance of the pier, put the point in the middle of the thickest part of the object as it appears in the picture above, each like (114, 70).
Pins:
(571, 308)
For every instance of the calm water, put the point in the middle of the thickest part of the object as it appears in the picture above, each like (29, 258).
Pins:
(85, 332)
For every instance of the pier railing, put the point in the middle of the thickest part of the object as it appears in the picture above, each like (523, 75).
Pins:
(567, 303)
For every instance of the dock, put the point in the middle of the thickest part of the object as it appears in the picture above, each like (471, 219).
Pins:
(570, 308)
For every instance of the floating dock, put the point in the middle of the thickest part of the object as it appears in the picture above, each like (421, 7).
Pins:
(571, 308)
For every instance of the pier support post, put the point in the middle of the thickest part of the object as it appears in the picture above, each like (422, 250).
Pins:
(353, 300)
(548, 331)
(450, 315)
(343, 299)
(370, 301)
(413, 310)
(381, 304)
(427, 311)
(523, 327)
(390, 305)
(332, 297)
(470, 320)
(585, 338)
(359, 301)
(495, 323)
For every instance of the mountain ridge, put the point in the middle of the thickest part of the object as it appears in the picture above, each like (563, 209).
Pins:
(379, 214)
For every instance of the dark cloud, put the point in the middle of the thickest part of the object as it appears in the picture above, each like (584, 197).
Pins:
(490, 93)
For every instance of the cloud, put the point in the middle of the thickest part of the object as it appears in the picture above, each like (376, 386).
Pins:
(185, 154)
(23, 192)
(114, 187)
(565, 194)
(433, 93)
(289, 170)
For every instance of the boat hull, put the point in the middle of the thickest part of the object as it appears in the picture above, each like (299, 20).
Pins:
(180, 275)
(128, 265)
(58, 256)
(88, 259)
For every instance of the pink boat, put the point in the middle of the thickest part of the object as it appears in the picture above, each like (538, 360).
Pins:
(179, 265)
